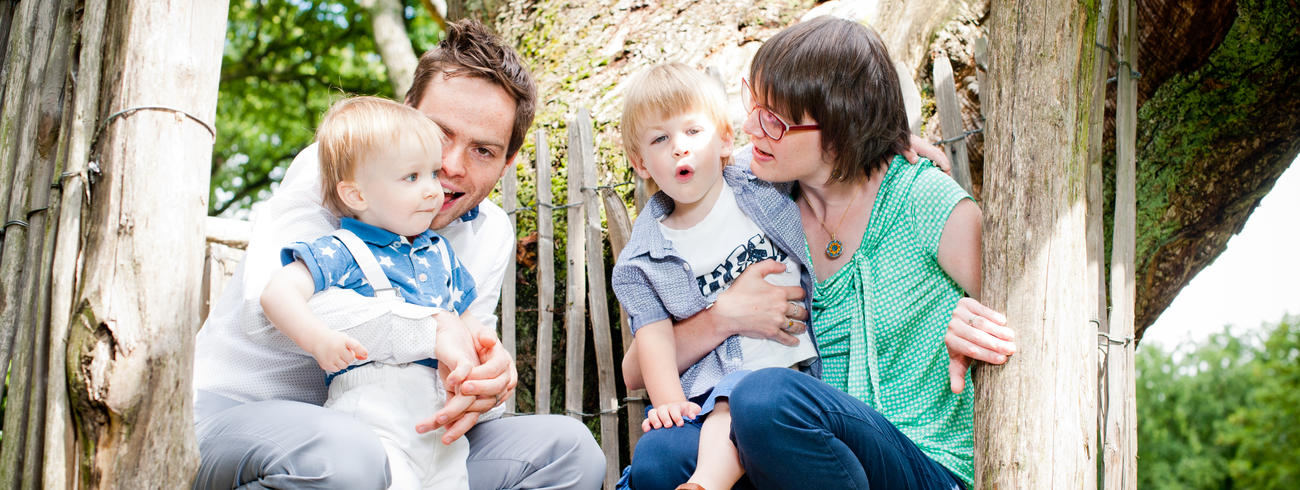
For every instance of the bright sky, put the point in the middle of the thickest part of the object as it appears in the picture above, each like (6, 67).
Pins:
(1255, 280)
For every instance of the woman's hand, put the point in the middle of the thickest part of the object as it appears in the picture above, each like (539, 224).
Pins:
(756, 308)
(975, 333)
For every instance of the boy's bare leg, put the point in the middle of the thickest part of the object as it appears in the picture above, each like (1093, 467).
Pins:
(717, 466)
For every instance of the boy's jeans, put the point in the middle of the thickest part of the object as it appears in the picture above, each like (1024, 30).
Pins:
(794, 431)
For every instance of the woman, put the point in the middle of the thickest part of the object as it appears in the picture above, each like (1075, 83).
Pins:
(894, 247)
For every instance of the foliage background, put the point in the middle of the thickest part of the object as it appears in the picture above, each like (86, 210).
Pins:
(1222, 412)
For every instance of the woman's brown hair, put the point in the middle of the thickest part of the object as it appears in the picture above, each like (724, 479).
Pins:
(839, 73)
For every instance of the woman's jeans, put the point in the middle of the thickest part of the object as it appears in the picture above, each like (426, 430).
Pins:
(794, 431)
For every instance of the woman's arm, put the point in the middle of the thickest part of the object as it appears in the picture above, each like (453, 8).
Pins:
(975, 332)
(751, 307)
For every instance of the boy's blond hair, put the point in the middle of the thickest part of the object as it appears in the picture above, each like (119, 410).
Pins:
(357, 126)
(667, 90)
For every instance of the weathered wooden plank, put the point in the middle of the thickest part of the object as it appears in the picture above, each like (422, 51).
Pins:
(27, 159)
(133, 332)
(29, 48)
(509, 201)
(226, 240)
(545, 276)
(600, 328)
(575, 295)
(1096, 293)
(945, 97)
(620, 230)
(53, 90)
(59, 459)
(1035, 424)
(1121, 427)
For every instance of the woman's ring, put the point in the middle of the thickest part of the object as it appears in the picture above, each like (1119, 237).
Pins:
(789, 325)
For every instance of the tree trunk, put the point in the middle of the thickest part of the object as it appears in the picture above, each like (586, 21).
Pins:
(131, 341)
(1035, 424)
(389, 27)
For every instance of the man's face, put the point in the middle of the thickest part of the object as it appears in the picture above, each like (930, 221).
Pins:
(476, 117)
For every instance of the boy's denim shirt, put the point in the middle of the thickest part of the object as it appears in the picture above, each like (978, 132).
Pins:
(654, 283)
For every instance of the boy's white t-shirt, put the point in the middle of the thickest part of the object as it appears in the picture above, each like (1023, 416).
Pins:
(718, 249)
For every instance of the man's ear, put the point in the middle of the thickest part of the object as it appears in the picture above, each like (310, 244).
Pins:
(351, 195)
(638, 166)
(510, 162)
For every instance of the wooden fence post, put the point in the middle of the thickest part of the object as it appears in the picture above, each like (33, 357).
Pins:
(545, 276)
(575, 294)
(1121, 428)
(954, 131)
(599, 301)
(510, 200)
(620, 230)
(1096, 238)
(1035, 424)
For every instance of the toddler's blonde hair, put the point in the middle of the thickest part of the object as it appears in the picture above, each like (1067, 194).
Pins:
(357, 126)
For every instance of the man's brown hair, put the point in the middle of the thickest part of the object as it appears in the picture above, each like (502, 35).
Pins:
(839, 73)
(471, 50)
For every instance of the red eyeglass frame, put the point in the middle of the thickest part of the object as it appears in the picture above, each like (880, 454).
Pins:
(747, 93)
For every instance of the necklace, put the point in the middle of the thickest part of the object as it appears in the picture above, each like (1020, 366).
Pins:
(834, 247)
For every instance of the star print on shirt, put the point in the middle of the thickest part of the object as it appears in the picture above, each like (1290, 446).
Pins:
(456, 294)
(328, 252)
(342, 282)
(385, 261)
(422, 261)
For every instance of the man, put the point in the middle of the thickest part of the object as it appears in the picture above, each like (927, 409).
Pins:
(257, 412)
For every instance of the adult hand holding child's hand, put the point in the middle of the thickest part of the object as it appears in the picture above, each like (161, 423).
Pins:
(485, 385)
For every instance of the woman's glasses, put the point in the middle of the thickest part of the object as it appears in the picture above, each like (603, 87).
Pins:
(771, 124)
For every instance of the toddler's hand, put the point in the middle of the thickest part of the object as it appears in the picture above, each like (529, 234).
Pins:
(668, 414)
(455, 351)
(336, 350)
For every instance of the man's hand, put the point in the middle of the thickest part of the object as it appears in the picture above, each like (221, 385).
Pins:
(671, 413)
(486, 386)
(756, 308)
(335, 350)
(975, 333)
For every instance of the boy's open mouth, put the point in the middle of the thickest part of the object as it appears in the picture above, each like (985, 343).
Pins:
(684, 172)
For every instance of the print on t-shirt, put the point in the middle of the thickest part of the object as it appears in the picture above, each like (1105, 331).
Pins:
(756, 250)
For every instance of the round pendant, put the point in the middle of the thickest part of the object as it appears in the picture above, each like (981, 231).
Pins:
(834, 249)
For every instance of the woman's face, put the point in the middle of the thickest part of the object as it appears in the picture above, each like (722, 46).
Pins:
(797, 156)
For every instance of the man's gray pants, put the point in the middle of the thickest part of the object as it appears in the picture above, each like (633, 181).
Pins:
(287, 444)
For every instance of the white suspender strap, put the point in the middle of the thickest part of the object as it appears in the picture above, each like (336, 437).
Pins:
(366, 261)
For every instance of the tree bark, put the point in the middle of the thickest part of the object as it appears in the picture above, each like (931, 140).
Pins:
(1035, 419)
(1212, 140)
(130, 351)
